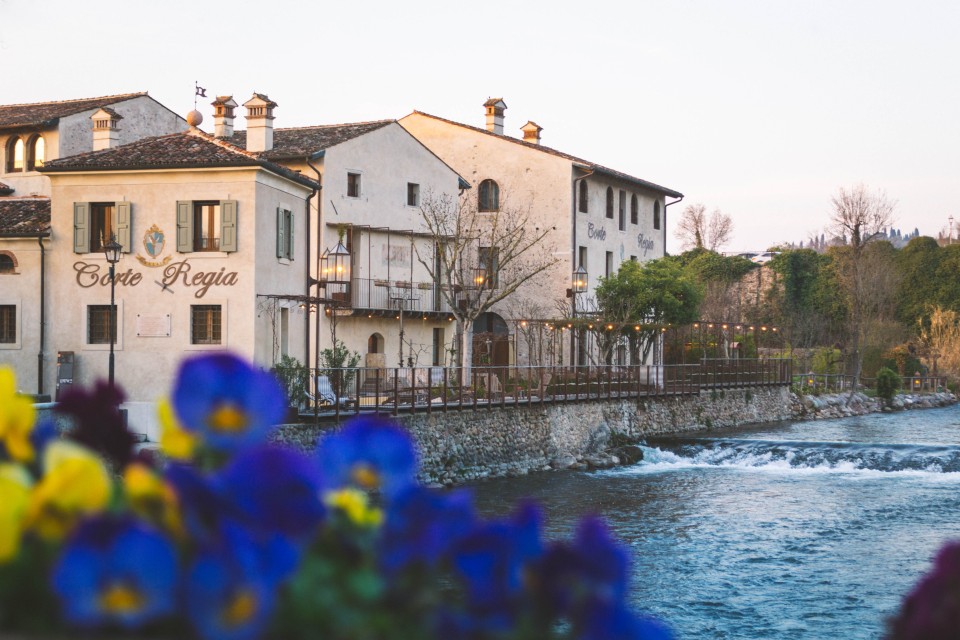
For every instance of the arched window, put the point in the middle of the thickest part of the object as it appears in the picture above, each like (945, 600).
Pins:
(489, 196)
(634, 210)
(375, 343)
(656, 214)
(36, 151)
(7, 263)
(584, 207)
(15, 155)
(610, 202)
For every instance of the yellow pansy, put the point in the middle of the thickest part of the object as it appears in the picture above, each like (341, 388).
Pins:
(75, 482)
(17, 416)
(14, 496)
(152, 498)
(175, 441)
(355, 505)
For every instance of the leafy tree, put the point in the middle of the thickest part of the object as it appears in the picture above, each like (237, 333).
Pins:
(719, 277)
(339, 364)
(648, 296)
(806, 301)
(918, 264)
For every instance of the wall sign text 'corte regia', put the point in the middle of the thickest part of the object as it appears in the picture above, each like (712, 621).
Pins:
(91, 274)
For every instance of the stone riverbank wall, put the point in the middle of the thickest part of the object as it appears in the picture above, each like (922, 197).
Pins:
(460, 446)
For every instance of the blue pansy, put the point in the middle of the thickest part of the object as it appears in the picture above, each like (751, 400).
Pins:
(369, 453)
(422, 526)
(231, 588)
(116, 571)
(275, 488)
(203, 505)
(230, 403)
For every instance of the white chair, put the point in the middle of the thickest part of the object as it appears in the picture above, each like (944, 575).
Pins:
(325, 395)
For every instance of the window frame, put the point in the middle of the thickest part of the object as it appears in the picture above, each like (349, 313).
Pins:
(8, 255)
(583, 204)
(16, 322)
(186, 234)
(118, 328)
(634, 209)
(215, 309)
(103, 216)
(656, 214)
(609, 203)
(10, 149)
(285, 235)
(354, 184)
(488, 201)
(413, 194)
(488, 258)
(30, 159)
(622, 210)
(608, 266)
(199, 216)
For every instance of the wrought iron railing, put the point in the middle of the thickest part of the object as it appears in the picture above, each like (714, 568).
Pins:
(336, 392)
(393, 295)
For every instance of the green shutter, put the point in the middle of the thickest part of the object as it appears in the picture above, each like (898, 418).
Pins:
(123, 225)
(184, 226)
(281, 236)
(228, 225)
(290, 235)
(81, 227)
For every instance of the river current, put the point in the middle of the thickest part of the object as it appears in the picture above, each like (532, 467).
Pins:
(788, 530)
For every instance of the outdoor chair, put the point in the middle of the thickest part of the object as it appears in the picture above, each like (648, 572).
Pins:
(325, 395)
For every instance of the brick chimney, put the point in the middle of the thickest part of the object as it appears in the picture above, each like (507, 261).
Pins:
(223, 108)
(106, 134)
(495, 108)
(531, 132)
(259, 123)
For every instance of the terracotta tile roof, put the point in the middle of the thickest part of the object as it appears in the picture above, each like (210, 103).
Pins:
(185, 150)
(47, 113)
(585, 164)
(300, 142)
(24, 217)
(5, 189)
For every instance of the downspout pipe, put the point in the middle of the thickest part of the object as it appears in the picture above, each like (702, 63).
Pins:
(43, 310)
(667, 204)
(306, 325)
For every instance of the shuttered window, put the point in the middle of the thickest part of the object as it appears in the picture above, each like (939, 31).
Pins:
(97, 223)
(206, 225)
(285, 233)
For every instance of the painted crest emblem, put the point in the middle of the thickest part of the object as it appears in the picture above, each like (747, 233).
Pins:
(153, 241)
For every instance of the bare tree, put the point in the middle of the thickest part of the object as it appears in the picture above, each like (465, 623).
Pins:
(698, 230)
(479, 258)
(859, 216)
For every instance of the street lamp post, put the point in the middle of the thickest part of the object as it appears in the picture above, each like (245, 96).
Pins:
(578, 285)
(111, 251)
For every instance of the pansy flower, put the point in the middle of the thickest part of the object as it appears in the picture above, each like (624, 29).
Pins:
(17, 416)
(152, 497)
(231, 404)
(115, 571)
(607, 622)
(231, 588)
(355, 505)
(930, 610)
(175, 441)
(370, 454)
(14, 497)
(75, 483)
(99, 424)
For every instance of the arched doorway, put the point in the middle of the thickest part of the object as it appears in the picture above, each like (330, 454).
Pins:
(375, 358)
(491, 341)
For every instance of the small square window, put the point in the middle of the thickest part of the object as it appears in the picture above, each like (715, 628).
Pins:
(413, 194)
(205, 324)
(99, 324)
(8, 324)
(353, 185)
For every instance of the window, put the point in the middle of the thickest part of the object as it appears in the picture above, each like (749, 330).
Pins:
(656, 214)
(206, 225)
(353, 185)
(97, 223)
(584, 197)
(582, 257)
(610, 203)
(489, 195)
(634, 210)
(8, 324)
(609, 264)
(35, 153)
(284, 233)
(489, 261)
(205, 327)
(7, 264)
(438, 343)
(99, 324)
(413, 194)
(633, 258)
(14, 154)
(623, 210)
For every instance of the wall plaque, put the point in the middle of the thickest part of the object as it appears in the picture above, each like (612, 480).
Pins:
(153, 325)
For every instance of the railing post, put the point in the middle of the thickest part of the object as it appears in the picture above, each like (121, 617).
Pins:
(396, 391)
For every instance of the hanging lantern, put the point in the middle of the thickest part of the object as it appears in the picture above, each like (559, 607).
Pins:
(338, 265)
(579, 280)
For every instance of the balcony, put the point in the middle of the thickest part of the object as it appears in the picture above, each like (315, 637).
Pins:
(380, 296)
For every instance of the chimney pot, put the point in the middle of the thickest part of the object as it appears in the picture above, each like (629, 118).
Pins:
(494, 108)
(106, 134)
(223, 116)
(259, 122)
(531, 132)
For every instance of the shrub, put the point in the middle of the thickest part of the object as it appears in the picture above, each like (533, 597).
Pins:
(888, 382)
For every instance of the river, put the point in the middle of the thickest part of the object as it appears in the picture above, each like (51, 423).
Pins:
(785, 530)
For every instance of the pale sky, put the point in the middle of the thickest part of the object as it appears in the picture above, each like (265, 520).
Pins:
(760, 108)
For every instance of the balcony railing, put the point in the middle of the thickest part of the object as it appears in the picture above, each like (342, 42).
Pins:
(344, 392)
(392, 295)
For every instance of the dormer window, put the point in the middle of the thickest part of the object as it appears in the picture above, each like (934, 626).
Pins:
(489, 196)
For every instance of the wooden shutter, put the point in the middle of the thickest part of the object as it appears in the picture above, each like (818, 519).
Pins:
(184, 226)
(122, 226)
(281, 236)
(290, 235)
(228, 225)
(81, 227)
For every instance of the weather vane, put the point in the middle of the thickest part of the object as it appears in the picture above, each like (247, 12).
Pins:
(198, 91)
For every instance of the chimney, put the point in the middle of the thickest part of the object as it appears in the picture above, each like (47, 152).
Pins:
(223, 108)
(495, 108)
(531, 132)
(259, 122)
(106, 135)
